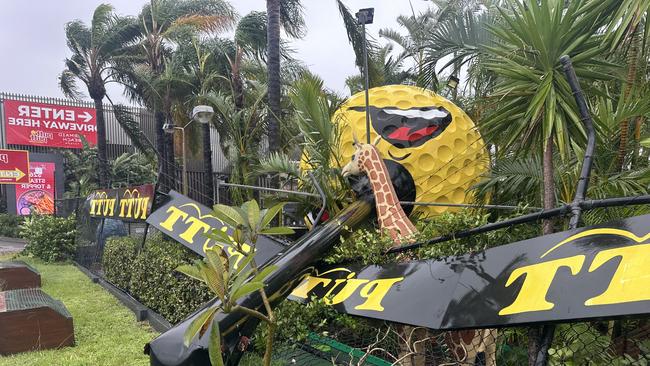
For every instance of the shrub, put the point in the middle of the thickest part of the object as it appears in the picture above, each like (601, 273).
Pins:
(49, 238)
(150, 275)
(10, 225)
(118, 258)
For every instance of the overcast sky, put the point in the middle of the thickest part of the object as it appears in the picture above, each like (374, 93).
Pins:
(33, 41)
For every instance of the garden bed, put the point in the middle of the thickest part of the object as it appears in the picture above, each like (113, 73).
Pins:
(106, 332)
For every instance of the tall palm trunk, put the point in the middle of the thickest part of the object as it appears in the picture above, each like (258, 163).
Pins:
(273, 69)
(101, 143)
(632, 65)
(549, 184)
(540, 337)
(207, 164)
(236, 81)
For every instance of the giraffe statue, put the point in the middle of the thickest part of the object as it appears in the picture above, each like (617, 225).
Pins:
(390, 214)
(465, 345)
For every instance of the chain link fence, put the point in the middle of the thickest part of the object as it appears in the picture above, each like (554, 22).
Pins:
(616, 342)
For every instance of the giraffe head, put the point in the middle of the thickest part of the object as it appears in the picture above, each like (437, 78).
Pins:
(361, 153)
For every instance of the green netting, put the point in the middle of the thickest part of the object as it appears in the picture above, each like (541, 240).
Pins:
(24, 299)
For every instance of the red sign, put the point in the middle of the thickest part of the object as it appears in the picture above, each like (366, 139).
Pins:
(14, 166)
(39, 124)
(37, 196)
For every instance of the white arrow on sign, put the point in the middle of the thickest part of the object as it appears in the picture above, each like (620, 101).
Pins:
(16, 174)
(86, 116)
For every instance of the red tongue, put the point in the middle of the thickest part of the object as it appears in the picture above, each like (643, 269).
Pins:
(403, 133)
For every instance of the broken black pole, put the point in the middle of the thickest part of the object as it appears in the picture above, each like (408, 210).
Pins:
(548, 331)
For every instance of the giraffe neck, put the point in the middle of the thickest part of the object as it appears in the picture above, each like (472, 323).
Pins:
(382, 186)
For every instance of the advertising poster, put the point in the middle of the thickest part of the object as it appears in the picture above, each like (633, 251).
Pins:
(39, 124)
(14, 166)
(37, 196)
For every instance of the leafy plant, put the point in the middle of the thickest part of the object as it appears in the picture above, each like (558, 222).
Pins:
(131, 169)
(119, 253)
(10, 225)
(364, 245)
(230, 280)
(241, 130)
(49, 238)
(126, 169)
(318, 139)
(151, 277)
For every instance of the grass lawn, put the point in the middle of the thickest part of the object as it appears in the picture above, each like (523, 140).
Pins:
(106, 332)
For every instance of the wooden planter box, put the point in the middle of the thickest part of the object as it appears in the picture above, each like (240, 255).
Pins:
(32, 320)
(18, 275)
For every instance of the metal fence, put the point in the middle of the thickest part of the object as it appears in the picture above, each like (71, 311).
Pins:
(620, 342)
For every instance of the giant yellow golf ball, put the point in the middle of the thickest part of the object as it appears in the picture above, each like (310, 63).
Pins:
(427, 134)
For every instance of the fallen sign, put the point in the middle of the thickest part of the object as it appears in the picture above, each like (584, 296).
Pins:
(14, 166)
(592, 272)
(188, 221)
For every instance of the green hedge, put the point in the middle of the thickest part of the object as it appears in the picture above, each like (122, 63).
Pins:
(150, 275)
(10, 225)
(50, 238)
(119, 254)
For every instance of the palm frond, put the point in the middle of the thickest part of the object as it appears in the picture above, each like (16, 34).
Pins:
(278, 162)
(68, 85)
(292, 18)
(131, 127)
(102, 19)
(355, 37)
(206, 23)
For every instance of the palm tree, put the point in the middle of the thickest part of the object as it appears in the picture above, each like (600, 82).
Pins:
(416, 44)
(630, 23)
(205, 66)
(318, 139)
(161, 23)
(95, 50)
(536, 106)
(273, 67)
(287, 13)
(241, 130)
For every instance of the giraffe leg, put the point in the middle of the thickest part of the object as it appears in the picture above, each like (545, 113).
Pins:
(411, 348)
(490, 342)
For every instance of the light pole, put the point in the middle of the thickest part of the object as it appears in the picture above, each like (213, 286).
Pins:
(452, 87)
(203, 114)
(365, 16)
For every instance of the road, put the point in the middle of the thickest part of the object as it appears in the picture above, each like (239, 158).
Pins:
(11, 245)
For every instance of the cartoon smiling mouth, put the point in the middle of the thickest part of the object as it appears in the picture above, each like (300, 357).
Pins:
(405, 128)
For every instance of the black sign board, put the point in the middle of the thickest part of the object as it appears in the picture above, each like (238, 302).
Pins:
(187, 221)
(127, 204)
(596, 272)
